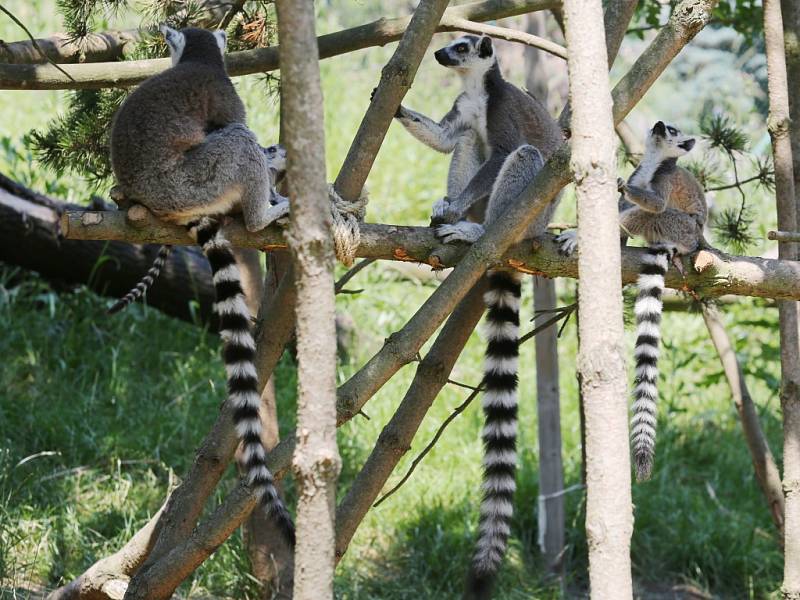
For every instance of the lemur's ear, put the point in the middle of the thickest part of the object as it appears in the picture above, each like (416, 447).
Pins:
(660, 129)
(175, 41)
(222, 39)
(485, 47)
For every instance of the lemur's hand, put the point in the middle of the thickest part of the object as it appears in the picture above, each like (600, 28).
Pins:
(440, 212)
(397, 114)
(621, 184)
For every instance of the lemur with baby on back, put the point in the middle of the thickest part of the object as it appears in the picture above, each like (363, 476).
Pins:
(500, 137)
(665, 205)
(180, 146)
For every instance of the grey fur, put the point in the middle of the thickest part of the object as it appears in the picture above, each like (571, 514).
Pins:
(500, 116)
(180, 145)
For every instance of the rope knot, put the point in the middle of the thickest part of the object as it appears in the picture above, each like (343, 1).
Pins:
(346, 219)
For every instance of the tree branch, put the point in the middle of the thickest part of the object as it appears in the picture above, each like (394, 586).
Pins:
(767, 474)
(128, 73)
(316, 461)
(396, 79)
(503, 33)
(709, 272)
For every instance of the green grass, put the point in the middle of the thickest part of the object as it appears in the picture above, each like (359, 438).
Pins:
(98, 414)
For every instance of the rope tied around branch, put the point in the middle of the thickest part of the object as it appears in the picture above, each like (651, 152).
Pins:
(347, 217)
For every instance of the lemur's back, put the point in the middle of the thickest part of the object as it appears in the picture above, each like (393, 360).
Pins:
(166, 116)
(533, 124)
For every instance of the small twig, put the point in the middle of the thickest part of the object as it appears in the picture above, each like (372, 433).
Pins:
(459, 409)
(565, 312)
(34, 42)
(339, 286)
(466, 386)
(232, 12)
(738, 184)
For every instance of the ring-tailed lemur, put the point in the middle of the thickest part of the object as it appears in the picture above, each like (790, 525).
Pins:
(276, 160)
(501, 136)
(664, 204)
(180, 147)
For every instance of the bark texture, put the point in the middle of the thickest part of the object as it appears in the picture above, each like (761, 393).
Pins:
(129, 73)
(548, 411)
(708, 272)
(316, 462)
(767, 474)
(778, 125)
(601, 355)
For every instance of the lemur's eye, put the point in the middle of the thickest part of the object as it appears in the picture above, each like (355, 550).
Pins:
(272, 150)
(461, 48)
(672, 131)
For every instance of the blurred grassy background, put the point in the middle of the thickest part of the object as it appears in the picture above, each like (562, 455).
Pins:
(98, 415)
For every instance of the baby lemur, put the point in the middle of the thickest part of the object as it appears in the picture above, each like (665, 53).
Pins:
(180, 147)
(501, 136)
(665, 205)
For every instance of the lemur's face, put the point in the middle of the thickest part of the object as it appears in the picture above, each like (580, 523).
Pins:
(669, 141)
(276, 159)
(467, 53)
(177, 40)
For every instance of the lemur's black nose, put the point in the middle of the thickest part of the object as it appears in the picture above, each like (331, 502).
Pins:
(440, 56)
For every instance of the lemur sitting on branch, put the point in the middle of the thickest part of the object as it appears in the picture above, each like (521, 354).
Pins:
(501, 136)
(664, 204)
(180, 146)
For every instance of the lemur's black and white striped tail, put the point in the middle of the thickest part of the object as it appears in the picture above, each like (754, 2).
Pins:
(144, 283)
(648, 306)
(238, 353)
(499, 431)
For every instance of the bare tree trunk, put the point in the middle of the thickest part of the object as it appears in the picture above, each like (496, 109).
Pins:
(778, 125)
(551, 469)
(769, 478)
(601, 357)
(791, 42)
(316, 459)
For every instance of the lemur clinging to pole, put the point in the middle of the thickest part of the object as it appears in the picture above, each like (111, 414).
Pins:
(501, 136)
(181, 147)
(664, 204)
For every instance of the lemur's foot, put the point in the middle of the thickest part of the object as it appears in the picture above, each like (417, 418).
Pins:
(567, 242)
(463, 231)
(621, 184)
(277, 213)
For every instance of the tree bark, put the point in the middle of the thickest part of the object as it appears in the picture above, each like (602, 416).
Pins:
(316, 462)
(778, 125)
(791, 40)
(769, 478)
(548, 410)
(601, 356)
(31, 238)
(129, 73)
(708, 272)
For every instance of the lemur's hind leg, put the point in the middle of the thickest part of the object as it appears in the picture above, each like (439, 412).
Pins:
(227, 169)
(679, 228)
(518, 170)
